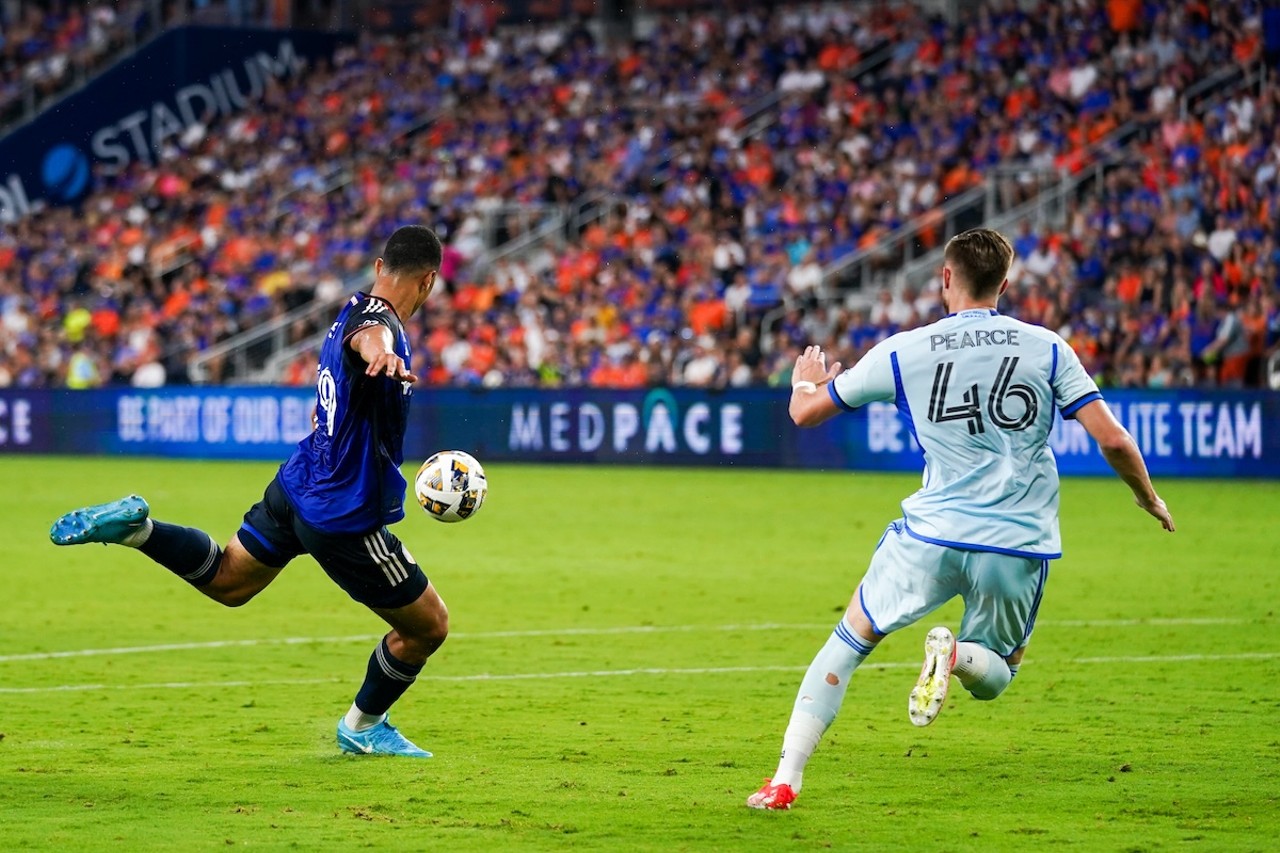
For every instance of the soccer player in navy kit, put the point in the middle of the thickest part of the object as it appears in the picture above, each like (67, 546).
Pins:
(332, 499)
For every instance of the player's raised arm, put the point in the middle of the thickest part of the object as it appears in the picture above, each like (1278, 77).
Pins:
(1122, 454)
(375, 344)
(810, 402)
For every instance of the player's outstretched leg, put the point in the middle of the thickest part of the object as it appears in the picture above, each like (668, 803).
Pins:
(935, 677)
(822, 691)
(113, 523)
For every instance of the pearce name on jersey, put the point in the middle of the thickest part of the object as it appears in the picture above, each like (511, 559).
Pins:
(976, 338)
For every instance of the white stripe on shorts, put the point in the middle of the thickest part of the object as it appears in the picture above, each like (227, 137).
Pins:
(398, 566)
(376, 554)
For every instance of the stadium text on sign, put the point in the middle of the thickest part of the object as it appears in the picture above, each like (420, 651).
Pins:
(15, 421)
(1193, 430)
(656, 427)
(137, 135)
(1182, 432)
(1173, 430)
(139, 106)
(215, 419)
(886, 432)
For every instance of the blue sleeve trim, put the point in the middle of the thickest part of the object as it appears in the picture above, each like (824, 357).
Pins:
(900, 396)
(1053, 369)
(972, 546)
(1072, 408)
(835, 398)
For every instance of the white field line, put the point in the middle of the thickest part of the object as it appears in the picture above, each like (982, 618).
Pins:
(607, 673)
(560, 632)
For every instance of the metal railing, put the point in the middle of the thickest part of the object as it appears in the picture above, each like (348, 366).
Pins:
(242, 356)
(754, 119)
(895, 261)
(555, 229)
(1050, 205)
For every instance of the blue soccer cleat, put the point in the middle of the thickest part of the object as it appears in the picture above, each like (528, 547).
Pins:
(109, 523)
(382, 739)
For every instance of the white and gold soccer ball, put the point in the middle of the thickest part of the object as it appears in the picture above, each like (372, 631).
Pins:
(451, 486)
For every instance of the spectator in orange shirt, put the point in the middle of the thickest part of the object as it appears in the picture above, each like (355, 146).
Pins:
(706, 312)
(1124, 15)
(1129, 285)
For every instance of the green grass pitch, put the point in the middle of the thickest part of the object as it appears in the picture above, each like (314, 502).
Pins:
(627, 643)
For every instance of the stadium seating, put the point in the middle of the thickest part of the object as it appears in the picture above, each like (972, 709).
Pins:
(46, 48)
(732, 158)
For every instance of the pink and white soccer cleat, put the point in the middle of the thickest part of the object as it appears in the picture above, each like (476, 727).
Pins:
(935, 677)
(771, 796)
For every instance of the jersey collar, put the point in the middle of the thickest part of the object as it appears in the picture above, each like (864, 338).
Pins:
(975, 312)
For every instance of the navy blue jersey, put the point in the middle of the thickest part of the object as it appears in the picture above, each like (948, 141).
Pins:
(345, 476)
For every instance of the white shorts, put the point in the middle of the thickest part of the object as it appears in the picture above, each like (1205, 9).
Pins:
(908, 579)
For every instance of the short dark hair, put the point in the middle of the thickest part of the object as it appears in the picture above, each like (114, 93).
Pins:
(412, 249)
(981, 257)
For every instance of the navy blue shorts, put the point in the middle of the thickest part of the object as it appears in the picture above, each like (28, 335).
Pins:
(374, 568)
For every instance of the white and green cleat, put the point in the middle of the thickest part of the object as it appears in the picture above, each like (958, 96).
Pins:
(935, 677)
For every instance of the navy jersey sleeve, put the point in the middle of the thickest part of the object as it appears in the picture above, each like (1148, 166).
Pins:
(375, 313)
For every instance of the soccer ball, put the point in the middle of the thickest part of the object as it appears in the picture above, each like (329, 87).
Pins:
(451, 486)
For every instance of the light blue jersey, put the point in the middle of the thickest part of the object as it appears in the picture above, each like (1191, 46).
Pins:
(978, 391)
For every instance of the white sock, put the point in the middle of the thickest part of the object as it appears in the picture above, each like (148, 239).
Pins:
(821, 693)
(982, 672)
(137, 538)
(358, 720)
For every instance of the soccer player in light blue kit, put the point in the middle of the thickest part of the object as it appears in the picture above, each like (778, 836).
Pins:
(978, 391)
(333, 498)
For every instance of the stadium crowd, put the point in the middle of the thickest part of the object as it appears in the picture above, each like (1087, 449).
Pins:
(47, 48)
(44, 48)
(1166, 275)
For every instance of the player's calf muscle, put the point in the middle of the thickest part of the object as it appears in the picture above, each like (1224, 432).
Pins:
(240, 577)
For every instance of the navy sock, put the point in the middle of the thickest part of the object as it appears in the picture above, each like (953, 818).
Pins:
(189, 553)
(385, 681)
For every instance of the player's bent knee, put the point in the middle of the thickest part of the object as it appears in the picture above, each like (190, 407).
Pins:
(436, 633)
(861, 625)
(436, 627)
(240, 577)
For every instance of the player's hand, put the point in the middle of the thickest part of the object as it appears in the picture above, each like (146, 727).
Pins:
(811, 366)
(390, 365)
(1158, 510)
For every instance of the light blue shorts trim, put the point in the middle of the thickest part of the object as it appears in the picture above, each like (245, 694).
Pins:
(909, 578)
